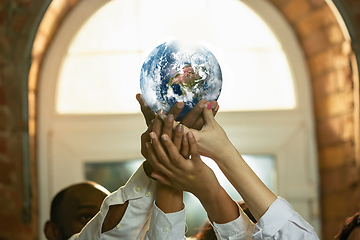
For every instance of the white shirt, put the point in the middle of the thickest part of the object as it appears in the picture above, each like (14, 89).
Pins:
(166, 226)
(280, 222)
(140, 192)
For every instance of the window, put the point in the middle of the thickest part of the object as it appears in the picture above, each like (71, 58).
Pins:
(102, 65)
(87, 107)
(113, 174)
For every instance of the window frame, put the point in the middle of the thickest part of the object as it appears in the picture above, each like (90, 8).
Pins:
(50, 122)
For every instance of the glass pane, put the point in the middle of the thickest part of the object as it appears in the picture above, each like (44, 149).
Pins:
(247, 29)
(114, 42)
(112, 175)
(262, 165)
(112, 28)
(257, 79)
(102, 83)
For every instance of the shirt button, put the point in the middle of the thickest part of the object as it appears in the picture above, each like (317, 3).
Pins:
(138, 189)
(165, 229)
(148, 194)
(118, 226)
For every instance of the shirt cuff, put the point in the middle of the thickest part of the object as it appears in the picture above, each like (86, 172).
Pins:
(278, 214)
(242, 227)
(167, 226)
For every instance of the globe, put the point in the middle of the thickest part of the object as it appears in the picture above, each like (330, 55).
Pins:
(173, 72)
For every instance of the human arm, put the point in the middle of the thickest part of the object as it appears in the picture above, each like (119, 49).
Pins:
(276, 218)
(191, 175)
(168, 211)
(214, 143)
(170, 199)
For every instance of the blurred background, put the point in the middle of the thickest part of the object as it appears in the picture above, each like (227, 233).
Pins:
(70, 72)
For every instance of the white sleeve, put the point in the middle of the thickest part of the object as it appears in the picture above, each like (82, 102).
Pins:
(140, 192)
(166, 226)
(239, 229)
(280, 222)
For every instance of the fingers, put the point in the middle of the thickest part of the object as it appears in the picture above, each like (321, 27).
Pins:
(154, 159)
(178, 135)
(174, 155)
(168, 125)
(159, 149)
(208, 114)
(158, 123)
(145, 109)
(194, 150)
(185, 147)
(215, 107)
(199, 122)
(176, 109)
(194, 114)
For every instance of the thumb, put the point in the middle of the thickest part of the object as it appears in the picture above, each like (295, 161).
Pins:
(208, 115)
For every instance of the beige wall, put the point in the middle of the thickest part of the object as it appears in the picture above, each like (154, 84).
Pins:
(335, 93)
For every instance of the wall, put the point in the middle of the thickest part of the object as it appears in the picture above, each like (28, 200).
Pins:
(18, 188)
(335, 94)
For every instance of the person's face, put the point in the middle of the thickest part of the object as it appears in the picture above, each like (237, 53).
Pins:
(355, 234)
(80, 204)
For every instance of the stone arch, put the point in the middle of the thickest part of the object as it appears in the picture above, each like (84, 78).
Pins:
(334, 76)
(334, 84)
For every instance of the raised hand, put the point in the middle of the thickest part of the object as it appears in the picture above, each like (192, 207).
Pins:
(184, 174)
(191, 175)
(211, 139)
(193, 119)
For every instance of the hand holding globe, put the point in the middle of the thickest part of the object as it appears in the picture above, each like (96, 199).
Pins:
(176, 73)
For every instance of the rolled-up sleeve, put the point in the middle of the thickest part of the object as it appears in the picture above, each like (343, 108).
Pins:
(281, 221)
(166, 226)
(240, 228)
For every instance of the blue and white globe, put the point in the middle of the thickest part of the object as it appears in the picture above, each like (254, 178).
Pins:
(173, 72)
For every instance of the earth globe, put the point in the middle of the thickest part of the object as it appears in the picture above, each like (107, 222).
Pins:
(175, 72)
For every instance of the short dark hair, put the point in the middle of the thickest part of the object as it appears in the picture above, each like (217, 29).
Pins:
(350, 223)
(59, 197)
(55, 204)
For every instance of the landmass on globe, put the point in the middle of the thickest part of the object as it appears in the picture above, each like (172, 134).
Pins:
(189, 80)
(173, 73)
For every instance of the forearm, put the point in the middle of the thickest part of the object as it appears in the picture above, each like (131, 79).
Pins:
(218, 204)
(168, 199)
(255, 193)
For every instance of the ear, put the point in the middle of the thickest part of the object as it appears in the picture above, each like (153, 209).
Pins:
(51, 231)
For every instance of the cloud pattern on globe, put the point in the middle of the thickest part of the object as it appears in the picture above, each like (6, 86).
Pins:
(173, 73)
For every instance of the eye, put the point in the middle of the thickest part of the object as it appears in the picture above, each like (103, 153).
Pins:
(84, 218)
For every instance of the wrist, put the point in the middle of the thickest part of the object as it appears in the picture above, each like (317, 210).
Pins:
(220, 207)
(208, 192)
(226, 153)
(168, 199)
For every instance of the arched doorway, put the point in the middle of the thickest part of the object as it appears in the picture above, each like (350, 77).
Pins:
(317, 10)
(283, 135)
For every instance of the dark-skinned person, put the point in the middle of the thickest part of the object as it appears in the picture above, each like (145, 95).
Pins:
(126, 213)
